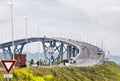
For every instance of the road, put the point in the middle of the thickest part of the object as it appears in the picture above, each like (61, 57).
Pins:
(88, 54)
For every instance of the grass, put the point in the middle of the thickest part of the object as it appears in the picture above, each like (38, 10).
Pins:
(106, 72)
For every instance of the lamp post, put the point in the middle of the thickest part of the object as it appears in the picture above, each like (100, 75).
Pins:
(26, 28)
(38, 41)
(12, 32)
(26, 31)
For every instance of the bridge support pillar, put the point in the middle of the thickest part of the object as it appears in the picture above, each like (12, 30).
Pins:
(6, 51)
(73, 50)
(45, 48)
(69, 52)
(18, 49)
(61, 52)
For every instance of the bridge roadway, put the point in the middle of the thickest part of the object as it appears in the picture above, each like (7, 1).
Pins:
(87, 55)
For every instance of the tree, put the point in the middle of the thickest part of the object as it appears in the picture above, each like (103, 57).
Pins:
(31, 62)
(40, 62)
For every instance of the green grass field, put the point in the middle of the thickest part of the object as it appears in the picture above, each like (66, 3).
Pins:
(106, 72)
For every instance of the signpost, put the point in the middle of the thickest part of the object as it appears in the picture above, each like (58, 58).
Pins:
(8, 65)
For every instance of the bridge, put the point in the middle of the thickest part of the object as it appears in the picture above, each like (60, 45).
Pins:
(83, 53)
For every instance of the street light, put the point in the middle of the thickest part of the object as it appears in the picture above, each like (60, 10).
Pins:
(12, 32)
(26, 31)
(26, 19)
(38, 41)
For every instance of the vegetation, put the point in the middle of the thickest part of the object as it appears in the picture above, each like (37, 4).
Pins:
(31, 62)
(40, 62)
(0, 65)
(106, 72)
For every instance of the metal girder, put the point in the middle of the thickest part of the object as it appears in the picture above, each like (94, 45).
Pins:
(65, 49)
(69, 52)
(18, 49)
(57, 48)
(52, 44)
(6, 51)
(73, 51)
(61, 50)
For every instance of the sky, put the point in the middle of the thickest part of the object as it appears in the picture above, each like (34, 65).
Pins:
(92, 21)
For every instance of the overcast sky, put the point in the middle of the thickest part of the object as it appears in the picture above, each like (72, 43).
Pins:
(85, 20)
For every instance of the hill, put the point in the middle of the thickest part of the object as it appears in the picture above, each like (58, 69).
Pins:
(106, 72)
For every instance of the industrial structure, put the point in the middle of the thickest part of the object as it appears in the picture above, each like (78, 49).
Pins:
(57, 50)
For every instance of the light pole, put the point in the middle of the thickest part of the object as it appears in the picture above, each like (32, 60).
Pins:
(38, 41)
(12, 32)
(26, 28)
(26, 32)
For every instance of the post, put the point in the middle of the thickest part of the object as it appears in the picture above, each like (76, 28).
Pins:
(7, 79)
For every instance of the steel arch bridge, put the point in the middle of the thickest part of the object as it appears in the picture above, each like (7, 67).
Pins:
(85, 54)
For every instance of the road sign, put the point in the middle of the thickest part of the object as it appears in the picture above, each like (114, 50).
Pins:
(8, 64)
(8, 76)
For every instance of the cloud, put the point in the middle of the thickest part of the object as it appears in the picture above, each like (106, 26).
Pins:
(109, 20)
(3, 13)
(114, 8)
(66, 18)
